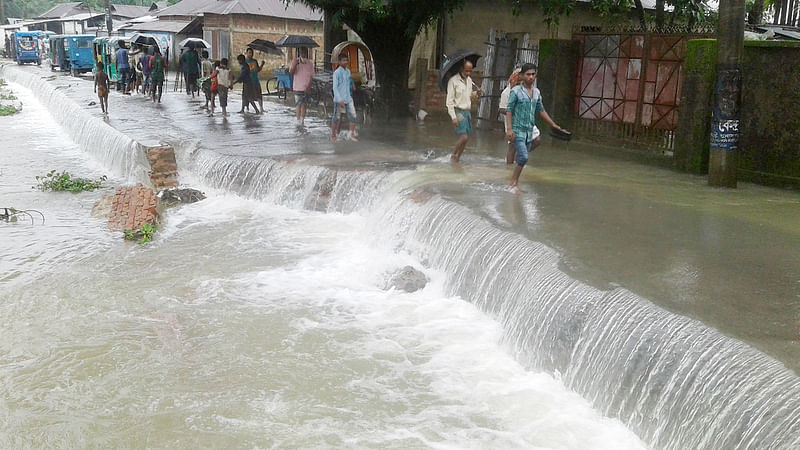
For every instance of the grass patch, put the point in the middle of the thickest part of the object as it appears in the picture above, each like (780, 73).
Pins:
(7, 110)
(142, 235)
(64, 181)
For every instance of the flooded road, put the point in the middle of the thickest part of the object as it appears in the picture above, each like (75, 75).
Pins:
(258, 316)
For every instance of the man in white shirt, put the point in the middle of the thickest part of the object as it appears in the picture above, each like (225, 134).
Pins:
(459, 103)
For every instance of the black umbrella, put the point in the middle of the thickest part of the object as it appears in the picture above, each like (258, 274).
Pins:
(143, 39)
(194, 43)
(265, 46)
(452, 65)
(296, 41)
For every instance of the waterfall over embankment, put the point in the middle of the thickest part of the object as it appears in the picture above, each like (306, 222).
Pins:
(292, 184)
(674, 381)
(113, 149)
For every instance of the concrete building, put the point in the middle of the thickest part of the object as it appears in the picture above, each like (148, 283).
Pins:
(229, 25)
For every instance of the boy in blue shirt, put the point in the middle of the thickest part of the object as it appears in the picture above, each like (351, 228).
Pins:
(343, 98)
(524, 103)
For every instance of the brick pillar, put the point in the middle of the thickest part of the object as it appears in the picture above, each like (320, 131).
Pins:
(694, 119)
(163, 167)
(556, 77)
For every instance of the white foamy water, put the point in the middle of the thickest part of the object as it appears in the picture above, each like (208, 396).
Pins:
(246, 324)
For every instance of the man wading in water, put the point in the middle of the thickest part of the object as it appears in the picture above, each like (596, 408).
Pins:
(524, 103)
(459, 103)
(343, 99)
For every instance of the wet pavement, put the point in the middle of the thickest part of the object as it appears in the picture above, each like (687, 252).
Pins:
(725, 257)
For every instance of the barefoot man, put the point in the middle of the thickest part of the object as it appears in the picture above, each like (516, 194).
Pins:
(343, 98)
(524, 103)
(459, 103)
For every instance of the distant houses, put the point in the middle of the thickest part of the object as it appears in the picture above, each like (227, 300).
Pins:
(231, 24)
(79, 18)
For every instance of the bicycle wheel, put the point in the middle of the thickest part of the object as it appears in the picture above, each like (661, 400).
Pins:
(326, 101)
(272, 86)
(281, 91)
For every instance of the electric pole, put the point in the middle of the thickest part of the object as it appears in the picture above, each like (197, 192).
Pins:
(109, 22)
(2, 12)
(727, 95)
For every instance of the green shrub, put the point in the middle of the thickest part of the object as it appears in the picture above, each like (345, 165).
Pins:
(7, 110)
(142, 235)
(63, 181)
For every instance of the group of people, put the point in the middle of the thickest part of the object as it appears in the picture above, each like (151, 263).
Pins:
(520, 103)
(142, 70)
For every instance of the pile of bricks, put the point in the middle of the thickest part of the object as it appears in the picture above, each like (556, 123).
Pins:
(163, 167)
(132, 208)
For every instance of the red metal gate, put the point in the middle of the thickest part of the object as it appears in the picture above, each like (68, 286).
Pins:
(629, 86)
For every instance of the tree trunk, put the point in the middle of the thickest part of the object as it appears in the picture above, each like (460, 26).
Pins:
(333, 34)
(391, 51)
(640, 13)
(756, 16)
(660, 15)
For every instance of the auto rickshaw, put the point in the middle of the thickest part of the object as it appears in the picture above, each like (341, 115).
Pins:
(25, 47)
(103, 49)
(59, 55)
(79, 49)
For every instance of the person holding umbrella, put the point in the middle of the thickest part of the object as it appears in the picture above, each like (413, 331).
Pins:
(190, 66)
(302, 70)
(157, 74)
(459, 103)
(524, 103)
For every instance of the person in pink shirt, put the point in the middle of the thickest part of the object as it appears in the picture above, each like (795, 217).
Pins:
(302, 70)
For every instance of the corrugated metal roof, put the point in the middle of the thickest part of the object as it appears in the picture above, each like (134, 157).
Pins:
(130, 11)
(62, 10)
(271, 8)
(166, 26)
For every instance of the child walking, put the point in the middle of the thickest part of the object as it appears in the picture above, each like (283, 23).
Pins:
(220, 78)
(101, 88)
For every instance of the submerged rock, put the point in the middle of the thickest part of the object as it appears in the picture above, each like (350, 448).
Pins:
(102, 209)
(175, 196)
(408, 279)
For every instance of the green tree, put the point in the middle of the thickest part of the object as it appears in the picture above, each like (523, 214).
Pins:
(552, 10)
(388, 28)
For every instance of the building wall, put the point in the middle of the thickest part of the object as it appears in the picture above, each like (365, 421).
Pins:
(769, 146)
(469, 27)
(244, 28)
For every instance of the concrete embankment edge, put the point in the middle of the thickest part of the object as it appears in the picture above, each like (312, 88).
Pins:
(136, 163)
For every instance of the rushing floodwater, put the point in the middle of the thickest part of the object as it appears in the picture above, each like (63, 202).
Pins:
(258, 318)
(246, 323)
